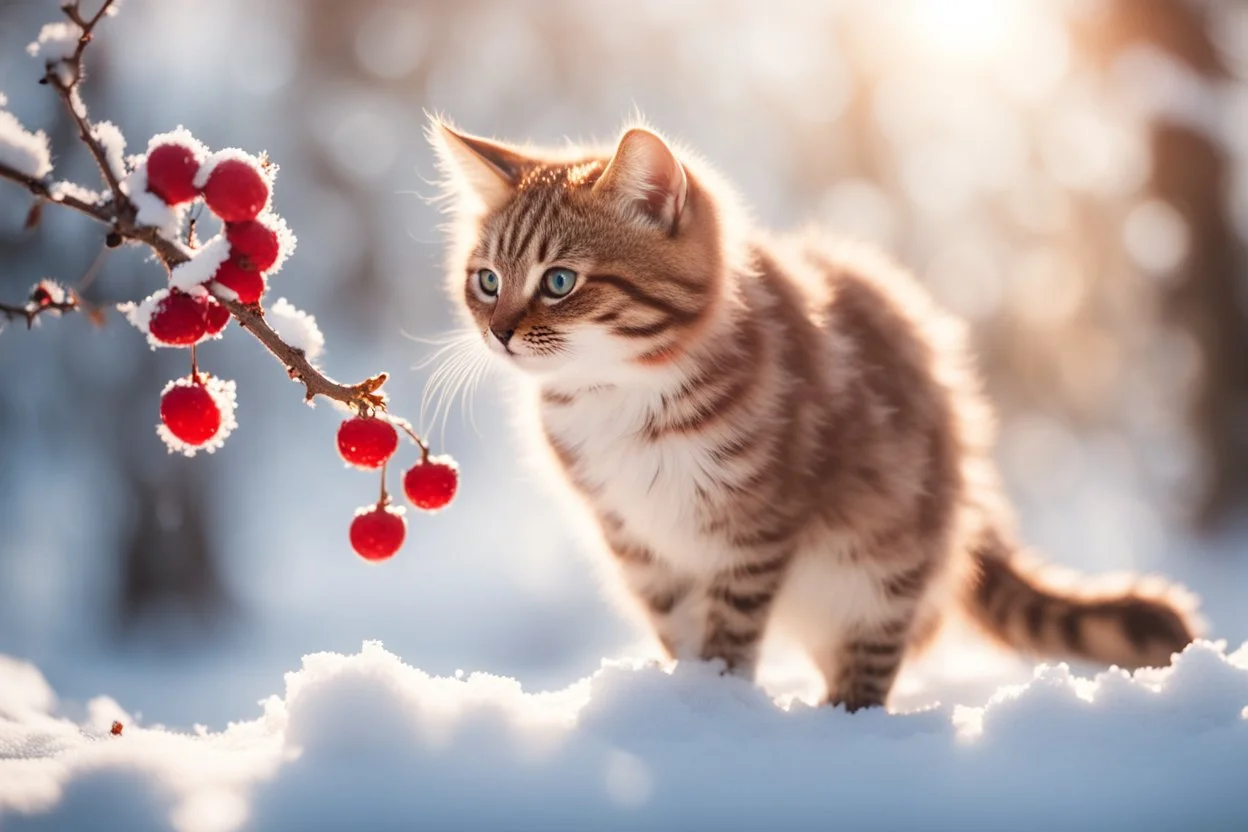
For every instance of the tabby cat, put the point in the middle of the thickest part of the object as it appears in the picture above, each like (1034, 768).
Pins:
(771, 431)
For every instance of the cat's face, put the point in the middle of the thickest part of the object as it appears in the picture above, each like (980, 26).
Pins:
(585, 266)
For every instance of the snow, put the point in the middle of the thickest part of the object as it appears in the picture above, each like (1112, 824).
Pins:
(286, 239)
(202, 266)
(27, 153)
(56, 42)
(297, 328)
(109, 135)
(179, 136)
(60, 190)
(214, 159)
(224, 394)
(152, 210)
(365, 740)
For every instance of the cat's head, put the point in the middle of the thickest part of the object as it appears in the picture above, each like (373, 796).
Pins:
(578, 263)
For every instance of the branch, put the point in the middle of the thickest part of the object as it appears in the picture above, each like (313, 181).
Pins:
(40, 302)
(119, 214)
(67, 91)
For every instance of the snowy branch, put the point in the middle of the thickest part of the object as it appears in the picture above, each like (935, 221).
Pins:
(43, 300)
(63, 47)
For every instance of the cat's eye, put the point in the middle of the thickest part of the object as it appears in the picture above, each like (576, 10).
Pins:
(487, 281)
(557, 283)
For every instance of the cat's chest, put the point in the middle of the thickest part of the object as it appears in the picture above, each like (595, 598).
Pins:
(659, 488)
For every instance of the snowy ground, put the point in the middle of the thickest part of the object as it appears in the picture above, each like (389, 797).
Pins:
(365, 741)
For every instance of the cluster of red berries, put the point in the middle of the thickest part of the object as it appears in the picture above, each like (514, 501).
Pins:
(197, 411)
(368, 442)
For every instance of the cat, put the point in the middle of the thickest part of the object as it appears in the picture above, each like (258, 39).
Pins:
(771, 431)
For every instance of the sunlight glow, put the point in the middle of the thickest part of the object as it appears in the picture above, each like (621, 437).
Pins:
(965, 29)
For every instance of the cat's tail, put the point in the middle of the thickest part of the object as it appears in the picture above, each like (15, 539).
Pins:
(1140, 624)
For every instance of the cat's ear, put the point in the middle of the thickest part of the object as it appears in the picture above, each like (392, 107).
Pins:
(477, 168)
(647, 177)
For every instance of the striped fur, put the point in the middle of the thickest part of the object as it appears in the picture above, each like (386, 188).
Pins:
(772, 432)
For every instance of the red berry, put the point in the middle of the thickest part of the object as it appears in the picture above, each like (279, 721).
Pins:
(431, 483)
(215, 317)
(235, 191)
(247, 284)
(178, 320)
(41, 296)
(367, 442)
(190, 413)
(377, 532)
(253, 245)
(171, 170)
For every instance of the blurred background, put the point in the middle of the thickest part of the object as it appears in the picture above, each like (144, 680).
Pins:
(1069, 175)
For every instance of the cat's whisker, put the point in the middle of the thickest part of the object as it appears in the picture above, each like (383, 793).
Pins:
(436, 388)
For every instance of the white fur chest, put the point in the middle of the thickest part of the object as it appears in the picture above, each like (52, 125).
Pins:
(651, 485)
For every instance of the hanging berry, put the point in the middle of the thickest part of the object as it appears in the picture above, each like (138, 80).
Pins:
(216, 316)
(366, 441)
(377, 531)
(431, 483)
(178, 320)
(196, 413)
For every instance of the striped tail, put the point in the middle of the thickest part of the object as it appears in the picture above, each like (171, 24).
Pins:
(1138, 626)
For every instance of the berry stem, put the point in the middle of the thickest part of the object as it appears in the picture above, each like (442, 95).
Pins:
(385, 496)
(195, 362)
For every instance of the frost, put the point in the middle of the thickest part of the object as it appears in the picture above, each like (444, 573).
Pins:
(223, 394)
(114, 143)
(209, 164)
(390, 508)
(286, 239)
(152, 210)
(297, 328)
(56, 292)
(27, 153)
(179, 136)
(202, 266)
(57, 41)
(63, 190)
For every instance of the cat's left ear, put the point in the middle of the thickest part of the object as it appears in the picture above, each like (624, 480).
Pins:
(646, 175)
(480, 168)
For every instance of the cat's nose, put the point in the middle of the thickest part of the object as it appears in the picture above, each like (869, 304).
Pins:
(503, 335)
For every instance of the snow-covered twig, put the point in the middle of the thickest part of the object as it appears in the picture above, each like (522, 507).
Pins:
(44, 299)
(64, 74)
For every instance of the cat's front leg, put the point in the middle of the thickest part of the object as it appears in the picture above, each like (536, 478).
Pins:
(739, 602)
(671, 601)
(862, 665)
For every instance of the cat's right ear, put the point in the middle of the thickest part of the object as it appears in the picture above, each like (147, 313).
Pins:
(478, 170)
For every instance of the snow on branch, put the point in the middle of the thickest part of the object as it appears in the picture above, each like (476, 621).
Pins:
(145, 202)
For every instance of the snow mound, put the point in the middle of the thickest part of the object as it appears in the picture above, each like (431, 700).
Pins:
(368, 742)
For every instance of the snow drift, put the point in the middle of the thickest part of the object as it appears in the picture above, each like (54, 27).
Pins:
(368, 742)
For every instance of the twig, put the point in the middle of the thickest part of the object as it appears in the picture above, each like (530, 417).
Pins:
(67, 91)
(119, 214)
(34, 307)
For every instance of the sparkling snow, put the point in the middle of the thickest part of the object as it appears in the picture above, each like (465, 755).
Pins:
(202, 266)
(152, 210)
(27, 153)
(297, 328)
(110, 136)
(355, 741)
(56, 42)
